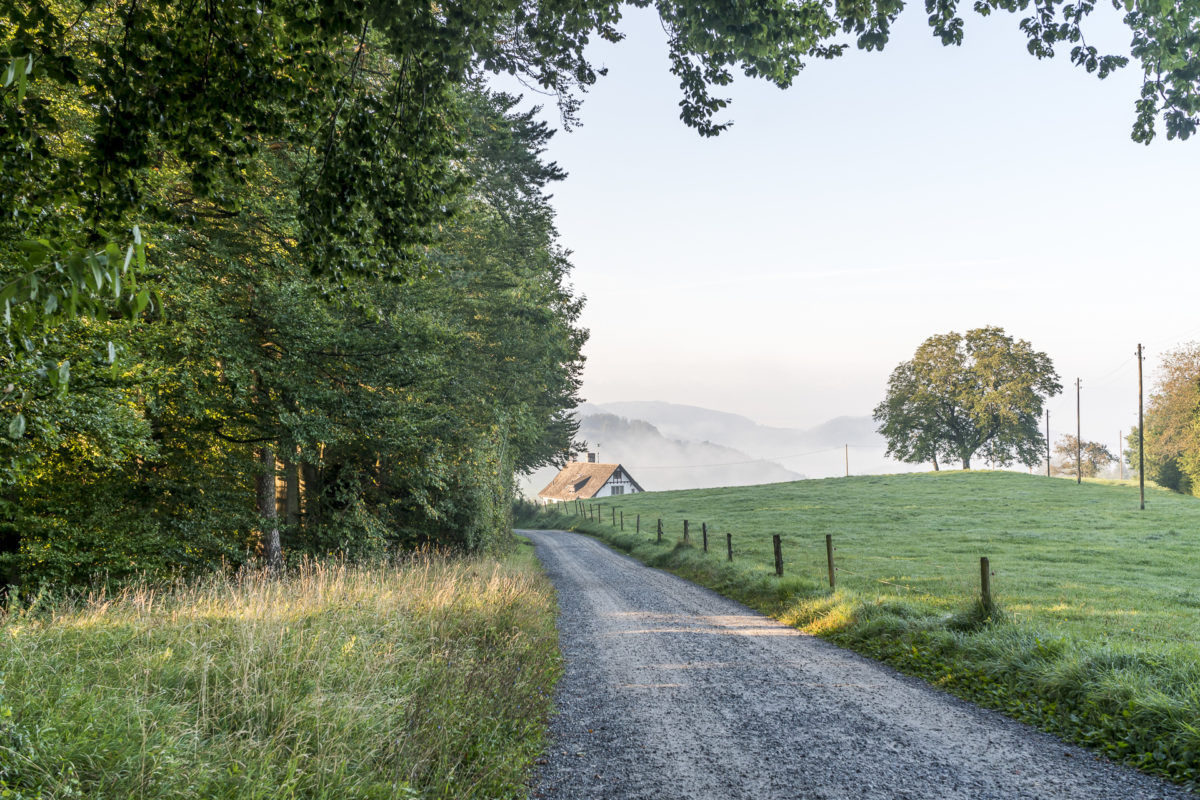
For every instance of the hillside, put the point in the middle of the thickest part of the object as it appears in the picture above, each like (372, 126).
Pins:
(1094, 634)
(1079, 559)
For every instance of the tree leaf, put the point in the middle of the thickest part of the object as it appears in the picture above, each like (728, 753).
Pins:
(22, 84)
(16, 428)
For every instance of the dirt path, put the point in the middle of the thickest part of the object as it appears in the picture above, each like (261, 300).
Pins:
(672, 691)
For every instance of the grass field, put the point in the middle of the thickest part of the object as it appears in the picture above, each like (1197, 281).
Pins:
(427, 678)
(1096, 631)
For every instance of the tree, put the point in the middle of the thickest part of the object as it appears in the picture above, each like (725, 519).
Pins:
(963, 393)
(407, 405)
(1093, 455)
(1172, 438)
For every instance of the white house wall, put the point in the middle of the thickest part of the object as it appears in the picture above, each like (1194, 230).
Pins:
(619, 479)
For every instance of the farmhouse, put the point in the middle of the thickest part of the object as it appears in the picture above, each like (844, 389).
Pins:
(584, 480)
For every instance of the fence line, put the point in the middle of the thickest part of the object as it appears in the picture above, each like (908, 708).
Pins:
(593, 512)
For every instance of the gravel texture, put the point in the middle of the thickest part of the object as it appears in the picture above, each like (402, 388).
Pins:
(672, 691)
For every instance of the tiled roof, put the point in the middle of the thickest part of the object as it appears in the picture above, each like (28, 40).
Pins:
(578, 480)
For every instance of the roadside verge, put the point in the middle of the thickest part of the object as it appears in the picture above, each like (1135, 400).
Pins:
(423, 676)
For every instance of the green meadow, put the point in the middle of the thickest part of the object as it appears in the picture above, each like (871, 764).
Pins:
(423, 678)
(1094, 632)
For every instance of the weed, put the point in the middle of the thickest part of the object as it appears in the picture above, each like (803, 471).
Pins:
(428, 677)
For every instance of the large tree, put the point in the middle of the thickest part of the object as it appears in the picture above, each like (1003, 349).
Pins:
(1092, 455)
(964, 393)
(1172, 437)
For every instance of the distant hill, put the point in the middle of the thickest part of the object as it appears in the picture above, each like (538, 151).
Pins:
(817, 452)
(660, 463)
(674, 446)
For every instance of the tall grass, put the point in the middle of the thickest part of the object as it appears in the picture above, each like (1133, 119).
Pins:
(429, 677)
(1096, 635)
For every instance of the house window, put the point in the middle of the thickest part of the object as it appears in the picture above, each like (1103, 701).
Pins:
(618, 490)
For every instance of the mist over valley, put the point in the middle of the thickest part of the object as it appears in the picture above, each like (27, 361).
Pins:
(675, 446)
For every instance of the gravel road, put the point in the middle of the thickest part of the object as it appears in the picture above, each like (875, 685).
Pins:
(672, 691)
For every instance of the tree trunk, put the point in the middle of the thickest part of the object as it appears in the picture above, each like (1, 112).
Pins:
(291, 483)
(966, 462)
(936, 468)
(312, 494)
(268, 511)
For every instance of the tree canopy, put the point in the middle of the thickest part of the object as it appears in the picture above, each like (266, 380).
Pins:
(965, 393)
(1172, 423)
(361, 326)
(1081, 458)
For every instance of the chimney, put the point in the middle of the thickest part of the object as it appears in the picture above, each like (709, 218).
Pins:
(592, 458)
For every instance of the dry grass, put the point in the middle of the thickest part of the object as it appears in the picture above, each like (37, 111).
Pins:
(429, 677)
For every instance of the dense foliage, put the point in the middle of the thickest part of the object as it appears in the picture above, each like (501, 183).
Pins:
(961, 394)
(355, 323)
(1172, 439)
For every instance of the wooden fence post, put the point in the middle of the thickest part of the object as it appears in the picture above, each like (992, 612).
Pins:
(829, 557)
(685, 531)
(704, 533)
(985, 582)
(778, 555)
(729, 545)
(660, 531)
(622, 519)
(639, 524)
(614, 515)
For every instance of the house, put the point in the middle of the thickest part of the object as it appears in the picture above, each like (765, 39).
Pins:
(585, 480)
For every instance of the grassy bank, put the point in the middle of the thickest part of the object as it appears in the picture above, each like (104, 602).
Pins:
(424, 678)
(1097, 626)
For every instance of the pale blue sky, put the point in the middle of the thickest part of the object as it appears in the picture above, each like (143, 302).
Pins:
(784, 268)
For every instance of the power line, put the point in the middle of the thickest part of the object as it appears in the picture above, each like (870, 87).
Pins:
(1100, 381)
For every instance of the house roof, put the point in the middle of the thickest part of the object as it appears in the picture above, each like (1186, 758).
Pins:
(578, 480)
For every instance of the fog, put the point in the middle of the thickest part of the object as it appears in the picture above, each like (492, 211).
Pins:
(674, 446)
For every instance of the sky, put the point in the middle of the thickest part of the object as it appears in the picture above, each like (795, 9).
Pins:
(784, 268)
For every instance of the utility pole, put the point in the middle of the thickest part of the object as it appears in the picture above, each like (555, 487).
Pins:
(847, 461)
(1079, 445)
(1141, 437)
(1121, 454)
(1047, 443)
